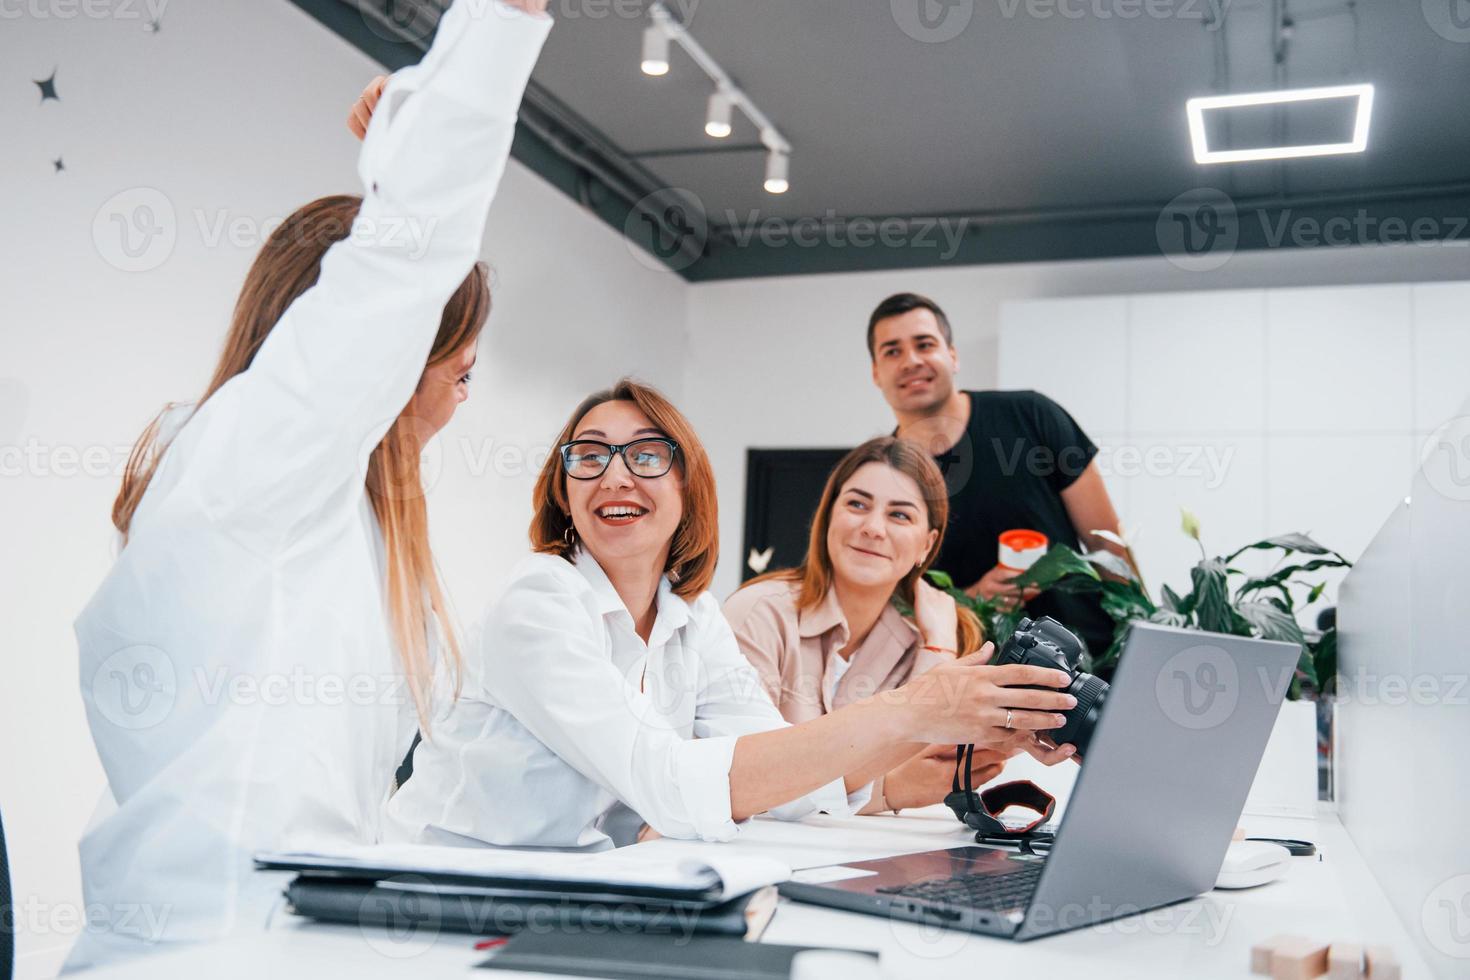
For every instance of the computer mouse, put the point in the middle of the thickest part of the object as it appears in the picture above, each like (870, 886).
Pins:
(1250, 863)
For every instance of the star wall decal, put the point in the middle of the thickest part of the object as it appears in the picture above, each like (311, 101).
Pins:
(59, 164)
(48, 87)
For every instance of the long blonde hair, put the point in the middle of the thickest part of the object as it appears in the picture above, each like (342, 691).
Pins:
(287, 266)
(814, 575)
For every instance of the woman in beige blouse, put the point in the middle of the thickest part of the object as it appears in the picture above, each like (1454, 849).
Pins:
(828, 633)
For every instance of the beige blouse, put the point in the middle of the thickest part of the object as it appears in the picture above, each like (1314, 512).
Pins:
(796, 654)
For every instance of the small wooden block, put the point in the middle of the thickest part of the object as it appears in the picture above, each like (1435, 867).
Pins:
(1345, 961)
(1382, 964)
(1261, 953)
(1298, 959)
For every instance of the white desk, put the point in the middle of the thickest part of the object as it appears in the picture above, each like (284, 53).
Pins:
(1208, 937)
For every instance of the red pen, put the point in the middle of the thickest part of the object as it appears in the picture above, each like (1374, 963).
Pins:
(485, 944)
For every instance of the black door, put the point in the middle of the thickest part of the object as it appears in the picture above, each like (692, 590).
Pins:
(782, 489)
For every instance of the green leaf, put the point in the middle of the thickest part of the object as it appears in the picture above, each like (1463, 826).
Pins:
(940, 580)
(1172, 602)
(1316, 593)
(1125, 601)
(1169, 617)
(1055, 565)
(1111, 563)
(1273, 622)
(1288, 543)
(1212, 600)
(1324, 663)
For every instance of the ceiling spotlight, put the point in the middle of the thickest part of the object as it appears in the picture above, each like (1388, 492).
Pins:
(1195, 109)
(655, 51)
(777, 164)
(717, 117)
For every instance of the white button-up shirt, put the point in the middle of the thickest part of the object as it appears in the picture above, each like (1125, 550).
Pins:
(566, 712)
(236, 663)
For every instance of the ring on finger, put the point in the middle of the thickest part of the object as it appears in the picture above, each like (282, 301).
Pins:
(1008, 717)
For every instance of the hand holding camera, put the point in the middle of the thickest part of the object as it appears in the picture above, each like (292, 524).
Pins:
(970, 701)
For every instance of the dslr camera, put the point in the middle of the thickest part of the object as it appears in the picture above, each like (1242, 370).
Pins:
(1047, 643)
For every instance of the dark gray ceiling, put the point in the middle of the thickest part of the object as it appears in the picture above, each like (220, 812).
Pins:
(1053, 135)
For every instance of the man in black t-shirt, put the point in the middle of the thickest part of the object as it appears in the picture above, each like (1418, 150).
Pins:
(1011, 459)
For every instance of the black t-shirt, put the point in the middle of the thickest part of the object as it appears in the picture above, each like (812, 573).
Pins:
(1019, 452)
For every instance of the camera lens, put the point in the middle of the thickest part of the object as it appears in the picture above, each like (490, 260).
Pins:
(1090, 692)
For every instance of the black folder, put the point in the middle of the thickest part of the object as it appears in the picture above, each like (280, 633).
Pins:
(388, 905)
(633, 956)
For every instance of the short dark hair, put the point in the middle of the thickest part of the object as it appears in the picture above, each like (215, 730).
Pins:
(900, 303)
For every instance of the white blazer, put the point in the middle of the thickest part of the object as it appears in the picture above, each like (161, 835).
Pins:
(566, 712)
(236, 663)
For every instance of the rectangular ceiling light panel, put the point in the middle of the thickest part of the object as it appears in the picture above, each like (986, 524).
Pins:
(1196, 109)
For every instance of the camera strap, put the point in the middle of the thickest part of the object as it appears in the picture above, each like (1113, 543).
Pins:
(981, 811)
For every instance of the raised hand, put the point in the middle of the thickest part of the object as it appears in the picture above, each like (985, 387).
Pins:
(361, 112)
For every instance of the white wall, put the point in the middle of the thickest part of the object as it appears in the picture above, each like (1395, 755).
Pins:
(234, 109)
(781, 362)
(1261, 410)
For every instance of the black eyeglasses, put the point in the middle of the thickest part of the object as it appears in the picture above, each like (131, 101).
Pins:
(587, 459)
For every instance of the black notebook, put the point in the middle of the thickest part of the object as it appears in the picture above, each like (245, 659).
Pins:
(390, 905)
(633, 956)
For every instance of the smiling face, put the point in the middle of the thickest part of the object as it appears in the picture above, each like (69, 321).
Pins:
(913, 365)
(879, 529)
(619, 516)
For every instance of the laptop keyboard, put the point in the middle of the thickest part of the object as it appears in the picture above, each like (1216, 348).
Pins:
(981, 891)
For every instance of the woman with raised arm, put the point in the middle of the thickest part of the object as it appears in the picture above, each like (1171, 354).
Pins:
(829, 633)
(606, 674)
(255, 662)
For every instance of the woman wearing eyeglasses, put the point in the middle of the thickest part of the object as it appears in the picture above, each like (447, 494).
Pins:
(607, 674)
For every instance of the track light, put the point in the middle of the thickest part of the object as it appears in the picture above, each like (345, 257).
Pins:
(655, 51)
(777, 164)
(665, 30)
(717, 117)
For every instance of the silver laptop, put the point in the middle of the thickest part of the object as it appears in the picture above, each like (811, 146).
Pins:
(1155, 804)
